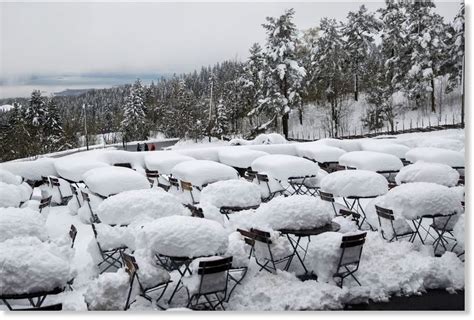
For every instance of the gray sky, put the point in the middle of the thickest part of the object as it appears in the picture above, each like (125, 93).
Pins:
(48, 39)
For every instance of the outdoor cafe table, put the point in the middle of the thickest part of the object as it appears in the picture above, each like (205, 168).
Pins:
(238, 157)
(203, 172)
(354, 185)
(294, 237)
(290, 172)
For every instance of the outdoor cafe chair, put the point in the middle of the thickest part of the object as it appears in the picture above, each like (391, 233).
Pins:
(211, 290)
(86, 199)
(111, 258)
(391, 228)
(131, 267)
(264, 179)
(56, 184)
(353, 215)
(44, 203)
(350, 257)
(188, 187)
(443, 226)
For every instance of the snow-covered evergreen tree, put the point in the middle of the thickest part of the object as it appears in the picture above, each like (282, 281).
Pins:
(134, 124)
(285, 72)
(359, 32)
(221, 124)
(253, 83)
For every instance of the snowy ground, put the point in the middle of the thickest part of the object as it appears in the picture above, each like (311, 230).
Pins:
(386, 269)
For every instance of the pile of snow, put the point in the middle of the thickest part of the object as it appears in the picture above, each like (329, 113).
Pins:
(210, 154)
(428, 172)
(448, 157)
(238, 250)
(121, 156)
(372, 161)
(359, 183)
(129, 206)
(30, 265)
(395, 149)
(55, 193)
(164, 161)
(294, 212)
(435, 142)
(282, 167)
(9, 178)
(84, 212)
(319, 152)
(10, 195)
(270, 138)
(347, 145)
(107, 181)
(16, 222)
(108, 292)
(231, 193)
(239, 157)
(31, 170)
(414, 200)
(288, 148)
(114, 237)
(458, 231)
(182, 236)
(74, 170)
(201, 172)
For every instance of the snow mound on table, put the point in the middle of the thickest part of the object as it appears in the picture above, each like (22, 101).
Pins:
(74, 170)
(31, 170)
(319, 152)
(108, 291)
(294, 212)
(458, 231)
(262, 293)
(15, 222)
(127, 206)
(9, 178)
(149, 273)
(201, 172)
(324, 253)
(428, 172)
(107, 181)
(435, 142)
(281, 167)
(10, 195)
(135, 159)
(347, 145)
(288, 148)
(238, 249)
(29, 266)
(395, 149)
(114, 237)
(183, 236)
(413, 200)
(164, 161)
(361, 183)
(239, 157)
(231, 193)
(369, 160)
(210, 154)
(448, 157)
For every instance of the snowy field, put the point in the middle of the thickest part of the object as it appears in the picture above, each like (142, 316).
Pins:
(176, 210)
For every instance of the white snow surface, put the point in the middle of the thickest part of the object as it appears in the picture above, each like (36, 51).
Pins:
(294, 212)
(10, 195)
(201, 172)
(347, 145)
(16, 222)
(422, 171)
(448, 157)
(9, 178)
(369, 160)
(74, 169)
(31, 170)
(231, 193)
(239, 157)
(288, 148)
(458, 231)
(385, 146)
(281, 167)
(30, 265)
(131, 206)
(360, 183)
(319, 152)
(182, 236)
(108, 291)
(164, 161)
(107, 181)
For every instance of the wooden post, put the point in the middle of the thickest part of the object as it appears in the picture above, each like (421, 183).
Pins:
(411, 124)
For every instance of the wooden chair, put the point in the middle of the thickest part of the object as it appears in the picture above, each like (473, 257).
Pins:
(214, 276)
(329, 197)
(174, 183)
(45, 180)
(86, 199)
(348, 213)
(44, 203)
(443, 227)
(250, 175)
(56, 184)
(111, 258)
(187, 186)
(152, 176)
(131, 267)
(75, 194)
(350, 257)
(72, 234)
(398, 228)
(264, 179)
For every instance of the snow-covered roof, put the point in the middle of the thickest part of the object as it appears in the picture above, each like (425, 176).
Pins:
(448, 157)
(201, 172)
(369, 160)
(358, 183)
(428, 172)
(282, 167)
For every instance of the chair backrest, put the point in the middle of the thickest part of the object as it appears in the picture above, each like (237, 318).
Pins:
(347, 213)
(73, 234)
(262, 177)
(151, 182)
(45, 202)
(187, 186)
(131, 266)
(384, 213)
(214, 275)
(352, 249)
(250, 175)
(54, 182)
(261, 236)
(74, 190)
(326, 196)
(85, 196)
(45, 180)
(151, 174)
(173, 182)
(123, 164)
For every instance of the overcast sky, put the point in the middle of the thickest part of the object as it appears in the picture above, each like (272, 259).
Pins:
(75, 38)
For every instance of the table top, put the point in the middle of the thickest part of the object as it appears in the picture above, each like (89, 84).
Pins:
(332, 227)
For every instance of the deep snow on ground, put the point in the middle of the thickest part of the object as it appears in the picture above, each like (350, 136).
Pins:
(386, 269)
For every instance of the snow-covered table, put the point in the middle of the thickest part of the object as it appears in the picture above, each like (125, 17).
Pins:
(107, 181)
(451, 158)
(203, 172)
(21, 222)
(422, 171)
(164, 161)
(239, 157)
(372, 161)
(384, 146)
(319, 152)
(73, 170)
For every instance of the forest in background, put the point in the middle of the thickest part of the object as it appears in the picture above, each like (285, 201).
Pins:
(403, 49)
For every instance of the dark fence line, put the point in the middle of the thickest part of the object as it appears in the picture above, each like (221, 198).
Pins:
(381, 133)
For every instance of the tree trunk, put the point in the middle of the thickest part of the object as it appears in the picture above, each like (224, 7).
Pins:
(433, 109)
(462, 92)
(284, 123)
(300, 115)
(356, 87)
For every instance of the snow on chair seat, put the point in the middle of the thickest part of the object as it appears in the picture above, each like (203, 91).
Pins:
(110, 255)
